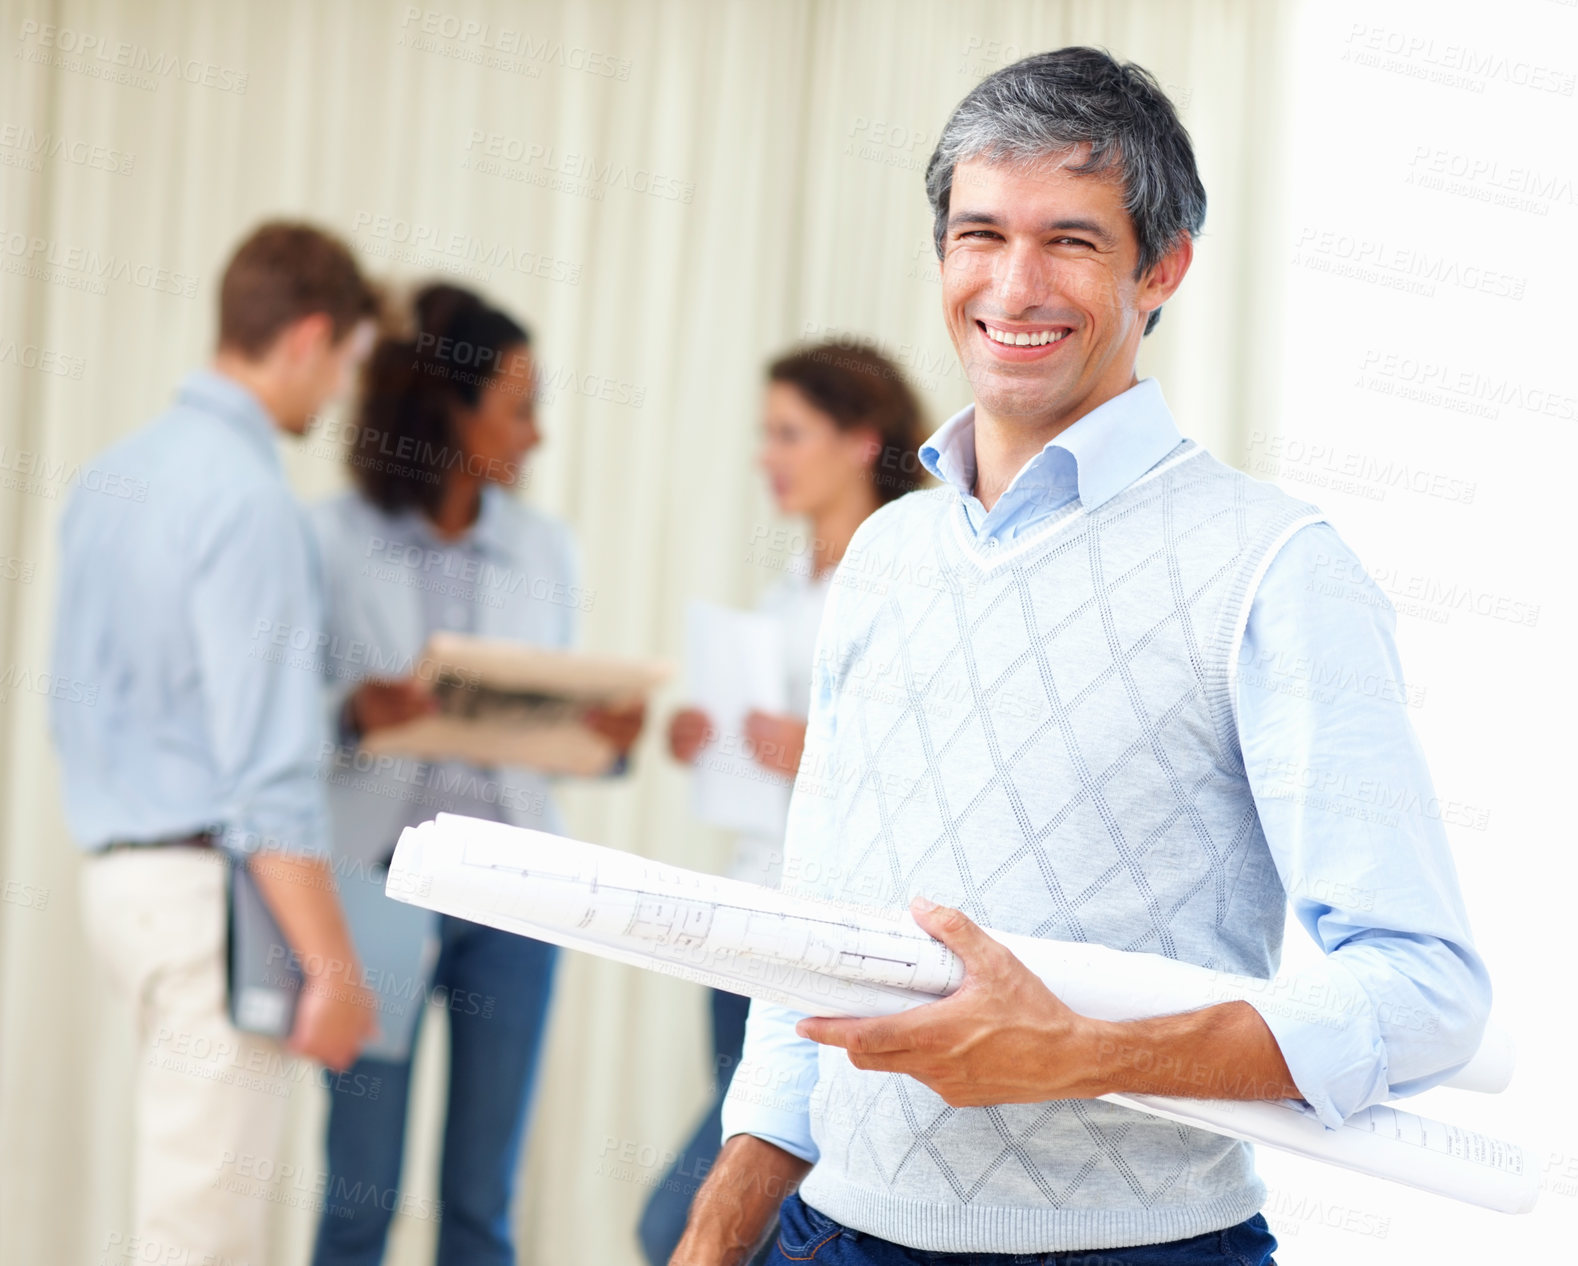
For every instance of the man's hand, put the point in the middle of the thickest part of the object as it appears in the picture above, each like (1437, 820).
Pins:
(378, 704)
(335, 1017)
(738, 1202)
(777, 742)
(689, 732)
(620, 726)
(1001, 1037)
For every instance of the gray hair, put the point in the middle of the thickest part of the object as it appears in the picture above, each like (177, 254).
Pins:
(1053, 102)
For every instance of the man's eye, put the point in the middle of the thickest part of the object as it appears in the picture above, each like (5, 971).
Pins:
(1072, 241)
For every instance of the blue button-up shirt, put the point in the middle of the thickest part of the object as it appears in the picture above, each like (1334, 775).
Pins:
(189, 610)
(453, 605)
(1340, 782)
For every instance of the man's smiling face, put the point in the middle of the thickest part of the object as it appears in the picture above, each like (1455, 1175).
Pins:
(1040, 289)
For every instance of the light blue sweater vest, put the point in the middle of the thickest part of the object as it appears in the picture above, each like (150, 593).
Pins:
(1043, 735)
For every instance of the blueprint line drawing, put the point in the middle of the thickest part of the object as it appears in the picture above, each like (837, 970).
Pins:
(825, 958)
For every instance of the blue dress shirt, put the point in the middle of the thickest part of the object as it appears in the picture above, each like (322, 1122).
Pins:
(189, 602)
(1339, 779)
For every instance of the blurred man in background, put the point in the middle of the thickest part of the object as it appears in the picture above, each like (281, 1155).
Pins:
(189, 594)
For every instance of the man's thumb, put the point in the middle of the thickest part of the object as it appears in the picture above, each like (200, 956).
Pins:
(953, 928)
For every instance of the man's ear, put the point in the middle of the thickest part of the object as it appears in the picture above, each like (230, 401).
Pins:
(1165, 275)
(305, 336)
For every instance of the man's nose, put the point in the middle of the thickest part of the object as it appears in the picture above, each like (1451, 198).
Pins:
(1021, 282)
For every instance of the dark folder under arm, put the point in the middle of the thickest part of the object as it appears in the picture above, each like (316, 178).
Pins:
(396, 944)
(263, 974)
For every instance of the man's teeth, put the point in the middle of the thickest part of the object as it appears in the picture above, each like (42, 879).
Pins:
(1038, 339)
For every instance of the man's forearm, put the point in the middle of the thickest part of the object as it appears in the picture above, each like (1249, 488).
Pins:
(1004, 1037)
(300, 894)
(737, 1202)
(1219, 1052)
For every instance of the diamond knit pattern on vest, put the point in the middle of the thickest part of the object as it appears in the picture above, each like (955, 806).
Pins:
(1041, 734)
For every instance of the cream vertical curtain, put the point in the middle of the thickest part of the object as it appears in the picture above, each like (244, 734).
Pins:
(668, 193)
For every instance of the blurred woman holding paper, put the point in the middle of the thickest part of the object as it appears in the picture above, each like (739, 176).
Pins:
(432, 541)
(840, 432)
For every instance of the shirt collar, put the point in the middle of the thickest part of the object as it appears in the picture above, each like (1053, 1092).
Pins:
(490, 534)
(492, 531)
(215, 393)
(1111, 446)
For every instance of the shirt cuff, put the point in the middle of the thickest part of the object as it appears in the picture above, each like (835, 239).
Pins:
(769, 1095)
(302, 838)
(790, 1131)
(1327, 1030)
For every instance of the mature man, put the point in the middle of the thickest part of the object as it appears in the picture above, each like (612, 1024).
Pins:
(202, 744)
(1070, 693)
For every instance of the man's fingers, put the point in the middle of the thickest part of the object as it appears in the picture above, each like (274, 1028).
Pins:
(871, 1055)
(865, 1037)
(863, 1043)
(958, 932)
(909, 1031)
(828, 1032)
(888, 1062)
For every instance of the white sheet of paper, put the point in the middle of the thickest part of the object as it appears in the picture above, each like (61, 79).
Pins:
(735, 662)
(524, 710)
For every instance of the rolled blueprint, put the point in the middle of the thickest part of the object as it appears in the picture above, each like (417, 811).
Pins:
(716, 929)
(725, 933)
(825, 958)
(1383, 1141)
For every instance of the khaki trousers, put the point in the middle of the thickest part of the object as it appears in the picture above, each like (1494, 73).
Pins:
(210, 1101)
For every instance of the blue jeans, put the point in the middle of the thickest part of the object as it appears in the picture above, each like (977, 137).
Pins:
(806, 1235)
(663, 1220)
(495, 987)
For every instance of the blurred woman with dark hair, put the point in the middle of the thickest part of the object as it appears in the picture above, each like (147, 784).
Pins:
(432, 540)
(840, 432)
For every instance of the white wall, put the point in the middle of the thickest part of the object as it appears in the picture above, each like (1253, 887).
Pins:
(1430, 406)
